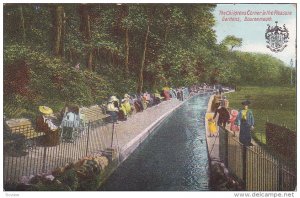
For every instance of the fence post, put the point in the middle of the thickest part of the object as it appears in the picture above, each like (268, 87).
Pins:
(280, 175)
(87, 141)
(226, 148)
(44, 159)
(244, 163)
(112, 134)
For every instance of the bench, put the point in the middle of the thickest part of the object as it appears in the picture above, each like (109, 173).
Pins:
(93, 114)
(23, 127)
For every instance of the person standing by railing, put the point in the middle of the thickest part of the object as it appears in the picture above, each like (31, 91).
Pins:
(245, 121)
(223, 115)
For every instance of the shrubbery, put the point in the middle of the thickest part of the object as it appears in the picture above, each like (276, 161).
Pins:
(33, 78)
(85, 175)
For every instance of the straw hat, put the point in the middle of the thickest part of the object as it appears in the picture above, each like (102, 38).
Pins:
(126, 96)
(113, 98)
(45, 110)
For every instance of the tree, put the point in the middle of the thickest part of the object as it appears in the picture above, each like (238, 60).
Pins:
(85, 28)
(232, 41)
(149, 12)
(22, 24)
(58, 30)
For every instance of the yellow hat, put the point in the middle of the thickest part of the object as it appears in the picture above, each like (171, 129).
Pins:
(45, 110)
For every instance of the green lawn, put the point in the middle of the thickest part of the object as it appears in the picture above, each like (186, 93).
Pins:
(276, 104)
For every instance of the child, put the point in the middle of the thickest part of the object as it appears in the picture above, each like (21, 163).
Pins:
(233, 126)
(212, 127)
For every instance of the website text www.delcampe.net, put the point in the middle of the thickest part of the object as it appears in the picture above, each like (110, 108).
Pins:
(265, 194)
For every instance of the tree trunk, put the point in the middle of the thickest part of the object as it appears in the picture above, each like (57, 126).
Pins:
(166, 32)
(22, 25)
(167, 18)
(58, 30)
(90, 60)
(125, 14)
(63, 32)
(85, 28)
(70, 55)
(141, 77)
(126, 51)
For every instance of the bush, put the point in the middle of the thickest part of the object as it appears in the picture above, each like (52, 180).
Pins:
(17, 147)
(54, 185)
(33, 78)
(69, 178)
(89, 175)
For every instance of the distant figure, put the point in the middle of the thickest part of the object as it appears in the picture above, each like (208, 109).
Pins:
(245, 121)
(220, 90)
(127, 104)
(113, 108)
(225, 102)
(122, 110)
(77, 67)
(223, 115)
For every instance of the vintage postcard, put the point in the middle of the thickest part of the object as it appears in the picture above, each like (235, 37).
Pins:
(150, 96)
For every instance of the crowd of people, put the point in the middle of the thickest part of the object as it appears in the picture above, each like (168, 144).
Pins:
(70, 116)
(119, 110)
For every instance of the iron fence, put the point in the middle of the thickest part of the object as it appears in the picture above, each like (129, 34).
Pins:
(256, 167)
(27, 154)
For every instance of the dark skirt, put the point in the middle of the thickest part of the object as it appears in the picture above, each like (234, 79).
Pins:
(245, 136)
(113, 116)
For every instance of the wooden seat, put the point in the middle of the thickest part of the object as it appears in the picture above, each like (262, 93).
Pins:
(24, 127)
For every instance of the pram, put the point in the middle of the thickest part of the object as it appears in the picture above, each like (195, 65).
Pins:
(71, 127)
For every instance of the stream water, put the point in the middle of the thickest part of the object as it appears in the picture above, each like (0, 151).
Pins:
(172, 158)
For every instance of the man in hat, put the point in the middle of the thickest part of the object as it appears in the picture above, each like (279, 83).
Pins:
(245, 121)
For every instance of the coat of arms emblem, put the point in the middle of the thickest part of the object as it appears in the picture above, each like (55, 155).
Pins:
(276, 37)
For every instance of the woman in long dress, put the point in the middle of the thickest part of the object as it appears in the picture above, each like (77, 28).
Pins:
(245, 121)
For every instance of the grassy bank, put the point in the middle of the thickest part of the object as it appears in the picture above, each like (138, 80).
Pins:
(276, 104)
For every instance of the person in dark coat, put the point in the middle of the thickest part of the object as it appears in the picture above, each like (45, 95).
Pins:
(223, 115)
(220, 90)
(245, 121)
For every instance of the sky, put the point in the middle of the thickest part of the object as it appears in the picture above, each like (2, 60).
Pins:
(253, 33)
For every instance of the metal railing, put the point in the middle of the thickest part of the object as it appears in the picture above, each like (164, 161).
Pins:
(30, 156)
(26, 153)
(256, 167)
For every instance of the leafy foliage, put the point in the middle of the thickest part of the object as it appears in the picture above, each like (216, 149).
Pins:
(107, 41)
(49, 82)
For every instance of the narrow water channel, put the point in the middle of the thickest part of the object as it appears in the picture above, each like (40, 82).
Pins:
(173, 158)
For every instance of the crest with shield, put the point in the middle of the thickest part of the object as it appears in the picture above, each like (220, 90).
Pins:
(276, 37)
